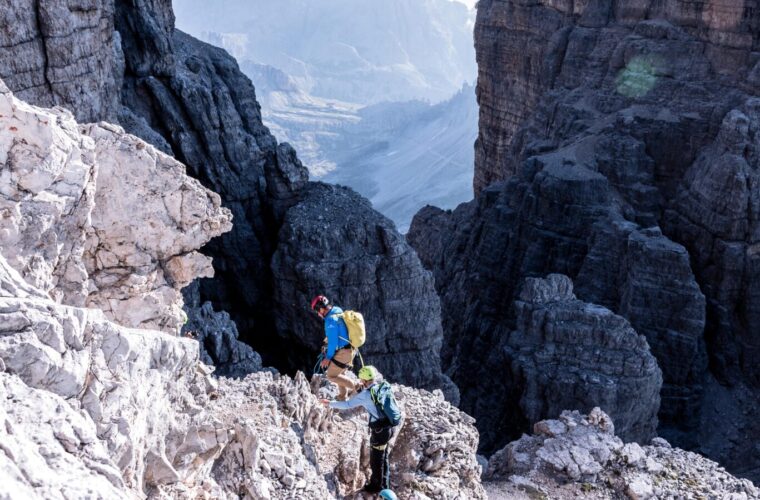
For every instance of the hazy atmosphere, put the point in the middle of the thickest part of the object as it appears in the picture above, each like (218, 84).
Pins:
(378, 96)
(278, 249)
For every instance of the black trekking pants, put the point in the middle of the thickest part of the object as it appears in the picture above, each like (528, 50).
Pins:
(378, 458)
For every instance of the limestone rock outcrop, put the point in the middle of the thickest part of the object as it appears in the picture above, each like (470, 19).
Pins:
(93, 408)
(47, 443)
(193, 98)
(324, 452)
(132, 391)
(98, 218)
(622, 137)
(334, 242)
(579, 456)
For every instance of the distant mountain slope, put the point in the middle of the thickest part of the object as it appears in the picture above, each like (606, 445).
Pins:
(400, 155)
(360, 51)
(407, 155)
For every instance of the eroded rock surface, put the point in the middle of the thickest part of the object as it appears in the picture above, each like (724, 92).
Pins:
(134, 389)
(579, 456)
(63, 52)
(623, 140)
(93, 408)
(566, 354)
(96, 217)
(46, 443)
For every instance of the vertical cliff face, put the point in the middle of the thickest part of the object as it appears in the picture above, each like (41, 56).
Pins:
(195, 99)
(64, 53)
(525, 49)
(623, 137)
(518, 48)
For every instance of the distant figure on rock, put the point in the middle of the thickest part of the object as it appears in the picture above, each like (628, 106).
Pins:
(377, 398)
(338, 353)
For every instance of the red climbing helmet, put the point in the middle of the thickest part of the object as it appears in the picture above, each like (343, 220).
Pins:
(319, 302)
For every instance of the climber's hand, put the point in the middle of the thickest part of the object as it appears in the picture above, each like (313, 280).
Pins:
(324, 402)
(325, 363)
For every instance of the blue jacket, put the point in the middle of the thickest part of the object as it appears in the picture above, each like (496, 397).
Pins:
(335, 331)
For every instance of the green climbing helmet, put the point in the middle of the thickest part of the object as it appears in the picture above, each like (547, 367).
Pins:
(368, 372)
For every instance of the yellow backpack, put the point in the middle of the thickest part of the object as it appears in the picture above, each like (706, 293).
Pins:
(357, 333)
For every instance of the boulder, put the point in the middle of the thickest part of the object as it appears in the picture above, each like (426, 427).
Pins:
(333, 242)
(587, 460)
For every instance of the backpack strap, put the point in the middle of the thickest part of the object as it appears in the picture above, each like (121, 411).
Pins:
(348, 345)
(373, 394)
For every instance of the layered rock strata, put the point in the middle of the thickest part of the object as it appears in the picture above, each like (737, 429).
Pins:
(526, 50)
(64, 53)
(579, 456)
(623, 137)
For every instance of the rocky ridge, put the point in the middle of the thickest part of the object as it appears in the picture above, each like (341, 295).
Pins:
(617, 133)
(579, 456)
(94, 408)
(119, 413)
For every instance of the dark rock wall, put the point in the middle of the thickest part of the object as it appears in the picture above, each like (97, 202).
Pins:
(194, 97)
(62, 52)
(624, 134)
(565, 353)
(524, 49)
(335, 242)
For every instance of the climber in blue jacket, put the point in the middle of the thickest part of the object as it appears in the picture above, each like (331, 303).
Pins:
(339, 355)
